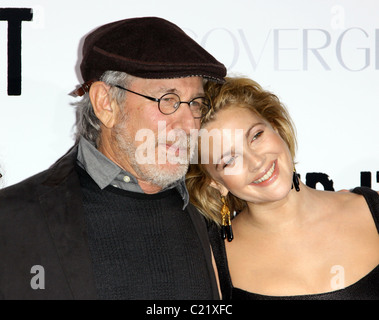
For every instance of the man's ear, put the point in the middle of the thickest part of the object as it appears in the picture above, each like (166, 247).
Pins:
(102, 105)
(219, 187)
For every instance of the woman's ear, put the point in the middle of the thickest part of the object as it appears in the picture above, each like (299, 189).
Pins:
(101, 103)
(222, 189)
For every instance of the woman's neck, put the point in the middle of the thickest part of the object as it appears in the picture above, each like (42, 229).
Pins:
(285, 215)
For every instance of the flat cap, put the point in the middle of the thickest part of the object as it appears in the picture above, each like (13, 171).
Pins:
(148, 47)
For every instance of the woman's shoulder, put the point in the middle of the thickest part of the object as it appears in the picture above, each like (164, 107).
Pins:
(359, 196)
(359, 206)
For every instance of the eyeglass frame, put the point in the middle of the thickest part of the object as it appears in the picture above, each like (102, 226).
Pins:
(159, 101)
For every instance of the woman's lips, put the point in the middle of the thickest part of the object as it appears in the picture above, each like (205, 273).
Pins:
(269, 176)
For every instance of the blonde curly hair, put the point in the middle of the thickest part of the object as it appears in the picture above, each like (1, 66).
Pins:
(245, 93)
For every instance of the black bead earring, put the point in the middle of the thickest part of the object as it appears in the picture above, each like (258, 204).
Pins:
(295, 180)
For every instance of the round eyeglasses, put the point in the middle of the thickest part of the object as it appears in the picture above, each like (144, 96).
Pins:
(170, 102)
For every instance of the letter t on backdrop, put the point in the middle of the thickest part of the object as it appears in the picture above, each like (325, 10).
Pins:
(14, 16)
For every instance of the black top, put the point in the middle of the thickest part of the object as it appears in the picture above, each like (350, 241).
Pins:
(42, 223)
(367, 288)
(143, 246)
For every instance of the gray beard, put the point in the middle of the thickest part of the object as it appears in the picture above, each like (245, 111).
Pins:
(157, 174)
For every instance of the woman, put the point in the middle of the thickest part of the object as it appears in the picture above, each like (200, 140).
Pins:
(287, 241)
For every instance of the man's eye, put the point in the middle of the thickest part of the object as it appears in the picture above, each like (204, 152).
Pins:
(195, 104)
(168, 100)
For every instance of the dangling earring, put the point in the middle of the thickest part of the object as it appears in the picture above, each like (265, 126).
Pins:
(226, 224)
(295, 180)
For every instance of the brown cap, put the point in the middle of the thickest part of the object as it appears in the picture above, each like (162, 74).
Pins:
(149, 47)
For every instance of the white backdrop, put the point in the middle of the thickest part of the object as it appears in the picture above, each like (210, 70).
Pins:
(321, 57)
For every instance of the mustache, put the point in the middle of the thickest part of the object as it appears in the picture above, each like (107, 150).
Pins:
(175, 147)
(178, 139)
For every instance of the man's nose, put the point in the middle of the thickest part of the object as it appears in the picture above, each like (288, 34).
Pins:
(184, 118)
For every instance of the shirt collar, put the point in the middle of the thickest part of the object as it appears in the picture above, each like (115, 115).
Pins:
(105, 172)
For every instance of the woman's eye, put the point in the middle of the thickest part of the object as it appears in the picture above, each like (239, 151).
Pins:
(257, 135)
(229, 162)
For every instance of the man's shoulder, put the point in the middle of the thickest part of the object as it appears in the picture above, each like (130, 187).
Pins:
(29, 189)
(21, 188)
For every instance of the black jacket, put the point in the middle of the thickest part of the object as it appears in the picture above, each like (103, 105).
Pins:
(42, 224)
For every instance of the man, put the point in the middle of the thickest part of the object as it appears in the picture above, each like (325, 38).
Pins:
(111, 218)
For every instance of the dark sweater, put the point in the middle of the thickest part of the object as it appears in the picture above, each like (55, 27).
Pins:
(143, 246)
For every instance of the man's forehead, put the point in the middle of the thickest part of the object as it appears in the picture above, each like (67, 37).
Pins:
(175, 85)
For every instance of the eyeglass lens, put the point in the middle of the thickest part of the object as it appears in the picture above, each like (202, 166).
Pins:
(170, 102)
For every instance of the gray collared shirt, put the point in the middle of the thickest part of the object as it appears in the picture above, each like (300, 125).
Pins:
(105, 172)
